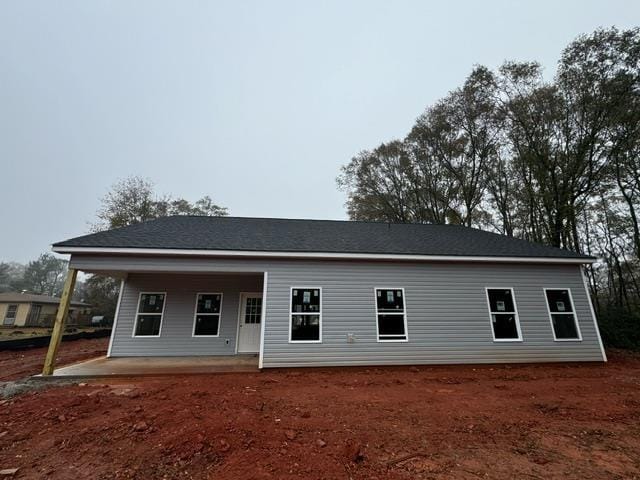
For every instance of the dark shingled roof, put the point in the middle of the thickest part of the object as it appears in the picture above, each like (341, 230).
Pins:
(325, 236)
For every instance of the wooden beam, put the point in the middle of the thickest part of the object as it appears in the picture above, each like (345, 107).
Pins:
(58, 326)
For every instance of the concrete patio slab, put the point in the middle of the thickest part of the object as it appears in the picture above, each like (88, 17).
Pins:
(157, 366)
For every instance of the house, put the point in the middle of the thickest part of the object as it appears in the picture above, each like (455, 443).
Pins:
(332, 293)
(30, 310)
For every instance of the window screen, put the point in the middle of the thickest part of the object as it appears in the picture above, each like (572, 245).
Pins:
(149, 316)
(563, 317)
(504, 318)
(390, 314)
(207, 319)
(305, 312)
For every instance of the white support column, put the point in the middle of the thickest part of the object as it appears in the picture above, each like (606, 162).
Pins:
(263, 316)
(115, 318)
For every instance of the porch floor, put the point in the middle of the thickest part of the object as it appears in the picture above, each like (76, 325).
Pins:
(154, 366)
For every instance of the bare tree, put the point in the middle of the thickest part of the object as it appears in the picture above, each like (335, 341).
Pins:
(556, 162)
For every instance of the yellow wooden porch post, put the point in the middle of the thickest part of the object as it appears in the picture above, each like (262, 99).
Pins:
(58, 326)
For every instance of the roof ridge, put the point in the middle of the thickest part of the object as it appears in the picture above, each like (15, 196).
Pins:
(324, 220)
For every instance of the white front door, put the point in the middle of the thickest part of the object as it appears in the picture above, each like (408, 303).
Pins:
(249, 323)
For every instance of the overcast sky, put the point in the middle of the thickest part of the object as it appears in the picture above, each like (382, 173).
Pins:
(256, 104)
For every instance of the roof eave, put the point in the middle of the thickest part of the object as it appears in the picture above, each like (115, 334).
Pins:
(311, 255)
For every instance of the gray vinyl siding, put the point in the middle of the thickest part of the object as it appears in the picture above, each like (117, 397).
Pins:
(446, 305)
(447, 315)
(177, 321)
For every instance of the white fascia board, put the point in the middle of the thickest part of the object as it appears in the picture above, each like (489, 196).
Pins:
(312, 255)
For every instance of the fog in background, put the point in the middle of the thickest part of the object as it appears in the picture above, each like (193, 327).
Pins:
(256, 104)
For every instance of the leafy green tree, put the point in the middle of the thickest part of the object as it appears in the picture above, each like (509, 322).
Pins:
(5, 277)
(45, 275)
(102, 293)
(11, 276)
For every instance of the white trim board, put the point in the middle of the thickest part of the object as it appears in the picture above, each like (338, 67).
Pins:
(593, 313)
(325, 255)
(263, 319)
(115, 318)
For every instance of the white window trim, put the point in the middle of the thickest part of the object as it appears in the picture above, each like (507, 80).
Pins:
(573, 311)
(404, 312)
(195, 315)
(291, 314)
(515, 306)
(135, 323)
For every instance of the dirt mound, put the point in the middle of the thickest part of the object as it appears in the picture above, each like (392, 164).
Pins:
(15, 364)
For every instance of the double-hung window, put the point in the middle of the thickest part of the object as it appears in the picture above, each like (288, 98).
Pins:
(505, 326)
(206, 321)
(149, 314)
(562, 314)
(10, 315)
(391, 318)
(305, 315)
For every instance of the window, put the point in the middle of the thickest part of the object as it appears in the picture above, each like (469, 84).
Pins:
(390, 315)
(10, 315)
(149, 315)
(253, 310)
(305, 315)
(206, 322)
(562, 315)
(504, 315)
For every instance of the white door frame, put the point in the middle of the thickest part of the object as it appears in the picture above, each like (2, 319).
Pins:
(243, 296)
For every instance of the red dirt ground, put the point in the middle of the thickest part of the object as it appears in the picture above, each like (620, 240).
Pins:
(16, 364)
(579, 421)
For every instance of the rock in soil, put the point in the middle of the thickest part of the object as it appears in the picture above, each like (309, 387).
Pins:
(140, 426)
(354, 452)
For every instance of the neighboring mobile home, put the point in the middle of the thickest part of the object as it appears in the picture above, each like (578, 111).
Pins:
(31, 310)
(315, 292)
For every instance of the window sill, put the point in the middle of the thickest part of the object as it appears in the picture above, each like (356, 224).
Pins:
(205, 336)
(394, 341)
(567, 339)
(507, 340)
(305, 341)
(146, 336)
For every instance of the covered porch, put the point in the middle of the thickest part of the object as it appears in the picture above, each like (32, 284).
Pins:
(158, 366)
(175, 322)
